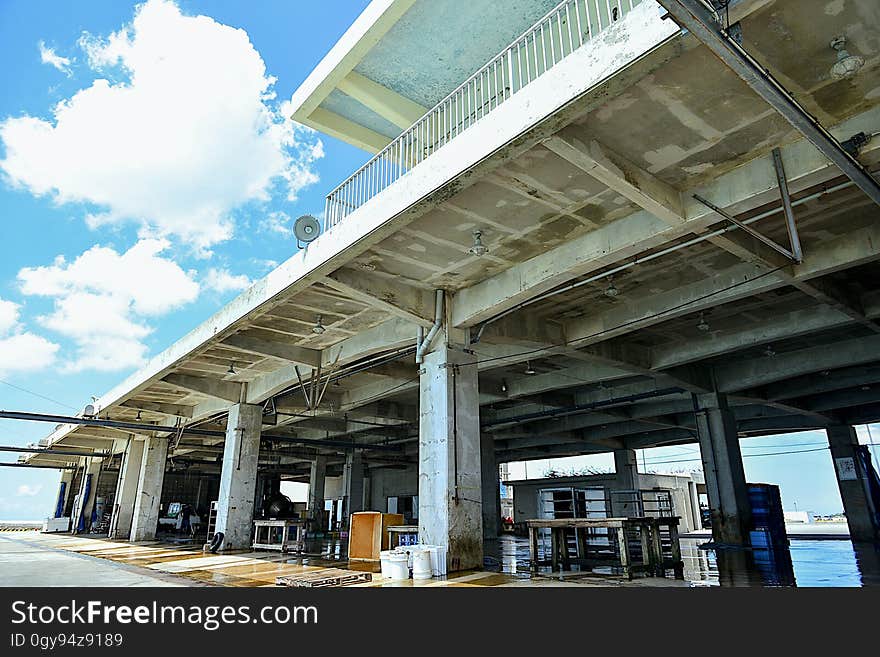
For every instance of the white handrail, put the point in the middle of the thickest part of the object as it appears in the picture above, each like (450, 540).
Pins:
(555, 36)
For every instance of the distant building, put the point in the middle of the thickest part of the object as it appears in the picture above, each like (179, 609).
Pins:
(603, 495)
(798, 517)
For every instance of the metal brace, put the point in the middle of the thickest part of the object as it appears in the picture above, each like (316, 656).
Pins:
(795, 254)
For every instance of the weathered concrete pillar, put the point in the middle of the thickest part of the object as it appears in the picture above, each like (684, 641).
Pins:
(626, 467)
(353, 482)
(852, 479)
(317, 473)
(450, 486)
(64, 493)
(126, 490)
(491, 487)
(145, 516)
(85, 503)
(238, 479)
(723, 468)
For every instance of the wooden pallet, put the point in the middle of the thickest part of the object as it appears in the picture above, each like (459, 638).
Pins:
(324, 577)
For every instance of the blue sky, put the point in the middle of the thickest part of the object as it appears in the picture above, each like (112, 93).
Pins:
(162, 184)
(147, 175)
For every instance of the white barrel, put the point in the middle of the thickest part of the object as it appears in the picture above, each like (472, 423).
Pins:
(394, 564)
(422, 564)
(385, 562)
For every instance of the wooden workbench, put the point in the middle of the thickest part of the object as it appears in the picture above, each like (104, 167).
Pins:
(654, 559)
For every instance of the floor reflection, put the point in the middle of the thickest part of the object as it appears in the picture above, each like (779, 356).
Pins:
(808, 563)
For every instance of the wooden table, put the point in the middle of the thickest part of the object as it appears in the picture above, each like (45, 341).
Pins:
(284, 545)
(618, 552)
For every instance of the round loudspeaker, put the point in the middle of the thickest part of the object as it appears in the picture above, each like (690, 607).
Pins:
(306, 228)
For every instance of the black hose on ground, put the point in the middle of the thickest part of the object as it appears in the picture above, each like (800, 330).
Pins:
(216, 542)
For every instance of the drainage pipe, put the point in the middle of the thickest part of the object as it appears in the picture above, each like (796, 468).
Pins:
(425, 343)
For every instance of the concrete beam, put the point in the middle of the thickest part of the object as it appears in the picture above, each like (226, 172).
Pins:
(756, 372)
(525, 330)
(393, 334)
(732, 284)
(223, 390)
(281, 350)
(744, 188)
(367, 30)
(353, 133)
(579, 375)
(828, 382)
(719, 343)
(164, 408)
(696, 18)
(627, 179)
(388, 104)
(410, 303)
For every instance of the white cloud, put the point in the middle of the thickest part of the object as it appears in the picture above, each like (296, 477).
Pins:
(222, 280)
(265, 264)
(26, 352)
(50, 57)
(103, 299)
(20, 350)
(8, 315)
(277, 222)
(28, 491)
(191, 134)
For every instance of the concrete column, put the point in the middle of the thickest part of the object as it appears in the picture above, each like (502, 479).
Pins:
(126, 490)
(491, 488)
(145, 516)
(852, 479)
(353, 483)
(238, 479)
(723, 467)
(85, 503)
(450, 486)
(317, 474)
(63, 494)
(627, 469)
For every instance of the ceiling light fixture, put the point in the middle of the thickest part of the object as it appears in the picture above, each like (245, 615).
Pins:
(703, 325)
(529, 369)
(231, 369)
(503, 385)
(611, 291)
(318, 328)
(847, 65)
(478, 248)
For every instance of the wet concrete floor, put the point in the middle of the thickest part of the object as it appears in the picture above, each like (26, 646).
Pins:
(35, 559)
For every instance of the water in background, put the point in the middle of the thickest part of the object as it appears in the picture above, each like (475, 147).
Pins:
(813, 563)
(809, 563)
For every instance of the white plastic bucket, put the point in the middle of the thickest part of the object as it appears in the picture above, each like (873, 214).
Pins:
(438, 560)
(394, 564)
(385, 561)
(422, 564)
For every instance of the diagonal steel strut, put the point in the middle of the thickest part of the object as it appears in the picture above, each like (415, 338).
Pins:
(695, 16)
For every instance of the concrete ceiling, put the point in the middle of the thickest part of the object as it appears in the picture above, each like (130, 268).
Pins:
(796, 346)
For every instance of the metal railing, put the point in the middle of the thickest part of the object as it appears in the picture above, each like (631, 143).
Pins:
(559, 33)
